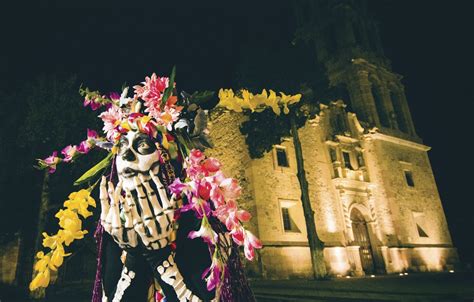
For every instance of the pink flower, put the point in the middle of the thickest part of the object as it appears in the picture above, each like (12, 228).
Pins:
(167, 117)
(111, 118)
(251, 242)
(69, 153)
(115, 96)
(211, 165)
(152, 93)
(149, 128)
(50, 162)
(152, 89)
(91, 134)
(230, 188)
(196, 156)
(231, 216)
(238, 235)
(213, 274)
(85, 146)
(194, 168)
(204, 190)
(177, 187)
(200, 207)
(205, 232)
(194, 171)
(248, 240)
(224, 189)
(91, 102)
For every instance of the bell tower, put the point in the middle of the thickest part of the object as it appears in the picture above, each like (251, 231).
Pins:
(348, 45)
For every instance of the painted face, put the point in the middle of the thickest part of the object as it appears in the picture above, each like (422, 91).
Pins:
(137, 155)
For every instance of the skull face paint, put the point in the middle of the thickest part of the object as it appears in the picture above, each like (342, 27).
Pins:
(137, 155)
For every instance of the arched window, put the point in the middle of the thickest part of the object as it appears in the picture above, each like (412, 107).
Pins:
(341, 93)
(397, 107)
(381, 111)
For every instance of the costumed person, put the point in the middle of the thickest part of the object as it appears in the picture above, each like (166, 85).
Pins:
(169, 223)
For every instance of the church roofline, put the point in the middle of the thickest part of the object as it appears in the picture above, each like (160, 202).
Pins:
(398, 141)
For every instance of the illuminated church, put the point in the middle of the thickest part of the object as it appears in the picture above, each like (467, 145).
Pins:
(376, 203)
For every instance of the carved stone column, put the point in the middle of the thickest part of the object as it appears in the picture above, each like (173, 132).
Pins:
(388, 105)
(354, 260)
(406, 110)
(361, 97)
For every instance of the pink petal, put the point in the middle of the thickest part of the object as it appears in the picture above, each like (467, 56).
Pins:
(211, 165)
(204, 190)
(177, 186)
(249, 251)
(243, 215)
(253, 240)
(91, 134)
(238, 236)
(83, 147)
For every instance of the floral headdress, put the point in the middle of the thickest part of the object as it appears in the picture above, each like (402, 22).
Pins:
(153, 109)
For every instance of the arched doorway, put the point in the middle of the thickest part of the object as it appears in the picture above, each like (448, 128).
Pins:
(362, 239)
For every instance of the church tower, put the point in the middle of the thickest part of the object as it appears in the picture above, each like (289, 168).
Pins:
(348, 45)
(371, 186)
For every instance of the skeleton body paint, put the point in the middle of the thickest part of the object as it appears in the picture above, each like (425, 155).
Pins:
(138, 210)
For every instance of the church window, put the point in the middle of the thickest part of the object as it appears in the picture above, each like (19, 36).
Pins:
(333, 154)
(360, 159)
(409, 178)
(379, 105)
(282, 158)
(347, 159)
(421, 232)
(289, 224)
(399, 115)
(420, 223)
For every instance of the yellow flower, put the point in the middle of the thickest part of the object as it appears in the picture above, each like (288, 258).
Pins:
(71, 224)
(229, 101)
(68, 219)
(52, 241)
(272, 102)
(57, 258)
(80, 205)
(165, 142)
(43, 262)
(70, 235)
(41, 280)
(251, 101)
(83, 194)
(290, 99)
(145, 119)
(166, 118)
(125, 125)
(226, 94)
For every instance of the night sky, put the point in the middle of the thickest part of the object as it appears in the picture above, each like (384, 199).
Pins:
(430, 44)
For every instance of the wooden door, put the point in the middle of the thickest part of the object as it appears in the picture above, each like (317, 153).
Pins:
(362, 239)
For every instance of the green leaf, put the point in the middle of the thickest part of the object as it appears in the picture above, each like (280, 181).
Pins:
(202, 97)
(94, 170)
(169, 90)
(173, 150)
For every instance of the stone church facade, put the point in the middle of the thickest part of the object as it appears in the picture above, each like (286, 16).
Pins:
(371, 185)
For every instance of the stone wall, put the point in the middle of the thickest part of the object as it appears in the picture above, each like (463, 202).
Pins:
(390, 207)
(407, 202)
(8, 261)
(231, 150)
